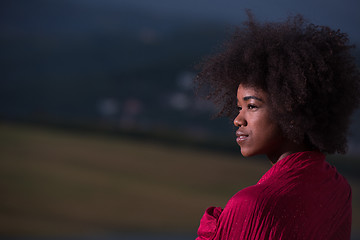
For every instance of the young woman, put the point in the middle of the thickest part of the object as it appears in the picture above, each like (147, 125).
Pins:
(290, 88)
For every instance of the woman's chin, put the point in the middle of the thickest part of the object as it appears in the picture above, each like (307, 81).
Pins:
(246, 153)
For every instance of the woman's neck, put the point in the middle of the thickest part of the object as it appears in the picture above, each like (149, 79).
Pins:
(287, 150)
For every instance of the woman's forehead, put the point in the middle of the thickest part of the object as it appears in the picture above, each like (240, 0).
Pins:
(251, 91)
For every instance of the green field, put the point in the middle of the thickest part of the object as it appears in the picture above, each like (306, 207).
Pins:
(57, 182)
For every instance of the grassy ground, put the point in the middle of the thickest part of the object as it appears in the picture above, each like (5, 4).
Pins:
(56, 182)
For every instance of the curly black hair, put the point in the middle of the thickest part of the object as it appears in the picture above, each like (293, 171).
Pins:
(308, 72)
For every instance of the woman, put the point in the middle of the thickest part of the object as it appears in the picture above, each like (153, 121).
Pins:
(291, 88)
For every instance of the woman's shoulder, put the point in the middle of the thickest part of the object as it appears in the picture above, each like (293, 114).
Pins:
(264, 197)
(250, 197)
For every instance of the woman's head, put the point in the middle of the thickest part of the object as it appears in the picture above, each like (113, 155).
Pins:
(307, 71)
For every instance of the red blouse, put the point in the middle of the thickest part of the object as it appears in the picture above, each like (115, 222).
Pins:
(300, 197)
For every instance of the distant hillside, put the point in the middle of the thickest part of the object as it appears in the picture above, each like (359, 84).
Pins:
(61, 60)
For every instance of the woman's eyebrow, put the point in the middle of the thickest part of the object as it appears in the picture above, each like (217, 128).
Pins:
(252, 97)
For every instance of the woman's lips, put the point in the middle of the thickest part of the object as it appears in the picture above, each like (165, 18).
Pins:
(240, 137)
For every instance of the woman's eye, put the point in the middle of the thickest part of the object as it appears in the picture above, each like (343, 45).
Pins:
(239, 109)
(251, 106)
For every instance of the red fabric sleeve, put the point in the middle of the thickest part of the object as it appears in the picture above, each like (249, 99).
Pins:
(208, 223)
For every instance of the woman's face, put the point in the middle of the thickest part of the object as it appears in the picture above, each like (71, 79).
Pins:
(257, 133)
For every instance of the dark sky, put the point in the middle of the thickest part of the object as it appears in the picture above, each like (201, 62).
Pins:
(343, 15)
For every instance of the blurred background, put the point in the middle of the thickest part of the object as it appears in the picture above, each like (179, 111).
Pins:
(101, 136)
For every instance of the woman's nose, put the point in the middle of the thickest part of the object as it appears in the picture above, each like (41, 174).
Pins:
(240, 121)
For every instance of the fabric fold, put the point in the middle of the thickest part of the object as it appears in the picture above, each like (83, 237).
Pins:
(208, 223)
